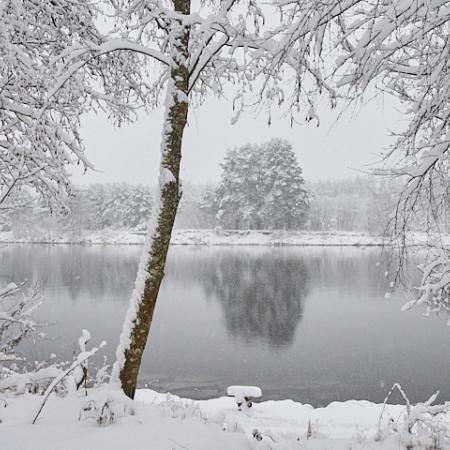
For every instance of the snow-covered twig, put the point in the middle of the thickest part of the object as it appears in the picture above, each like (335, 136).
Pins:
(82, 358)
(421, 419)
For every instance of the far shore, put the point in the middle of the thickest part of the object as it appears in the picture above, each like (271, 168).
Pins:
(216, 237)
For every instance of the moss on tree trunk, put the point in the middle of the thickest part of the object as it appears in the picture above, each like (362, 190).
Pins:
(170, 192)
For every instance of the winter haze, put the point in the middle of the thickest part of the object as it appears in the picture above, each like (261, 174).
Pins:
(336, 149)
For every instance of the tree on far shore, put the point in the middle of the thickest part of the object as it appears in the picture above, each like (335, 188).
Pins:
(261, 188)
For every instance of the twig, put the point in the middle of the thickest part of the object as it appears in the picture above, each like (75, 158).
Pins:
(57, 380)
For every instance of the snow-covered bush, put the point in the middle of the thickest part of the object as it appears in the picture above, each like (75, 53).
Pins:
(107, 404)
(422, 426)
(52, 376)
(77, 371)
(17, 304)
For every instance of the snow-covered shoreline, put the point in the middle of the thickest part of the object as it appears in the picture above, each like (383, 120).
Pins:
(205, 237)
(218, 238)
(168, 422)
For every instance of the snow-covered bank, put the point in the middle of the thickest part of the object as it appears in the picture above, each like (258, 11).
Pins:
(204, 237)
(165, 422)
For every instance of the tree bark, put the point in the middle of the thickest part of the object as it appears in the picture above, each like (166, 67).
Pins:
(170, 194)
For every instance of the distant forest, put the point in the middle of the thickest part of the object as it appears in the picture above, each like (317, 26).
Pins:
(261, 188)
(359, 204)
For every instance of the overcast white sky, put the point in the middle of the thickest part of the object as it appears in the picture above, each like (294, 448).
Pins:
(331, 151)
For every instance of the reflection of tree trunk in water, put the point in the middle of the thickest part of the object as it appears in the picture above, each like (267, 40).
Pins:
(137, 325)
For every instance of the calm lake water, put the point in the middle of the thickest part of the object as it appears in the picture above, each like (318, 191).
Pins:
(310, 324)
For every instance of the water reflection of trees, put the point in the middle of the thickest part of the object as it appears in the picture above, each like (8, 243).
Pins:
(260, 290)
(350, 271)
(261, 295)
(96, 271)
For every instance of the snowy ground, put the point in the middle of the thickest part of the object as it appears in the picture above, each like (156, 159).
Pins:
(163, 422)
(203, 237)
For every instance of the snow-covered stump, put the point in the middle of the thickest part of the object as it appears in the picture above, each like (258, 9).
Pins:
(244, 395)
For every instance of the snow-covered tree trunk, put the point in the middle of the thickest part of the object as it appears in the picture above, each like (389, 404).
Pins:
(151, 270)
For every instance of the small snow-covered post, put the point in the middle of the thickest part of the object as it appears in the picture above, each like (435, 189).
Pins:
(151, 269)
(244, 394)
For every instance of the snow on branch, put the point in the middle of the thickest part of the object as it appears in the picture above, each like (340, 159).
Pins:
(17, 304)
(55, 67)
(401, 48)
